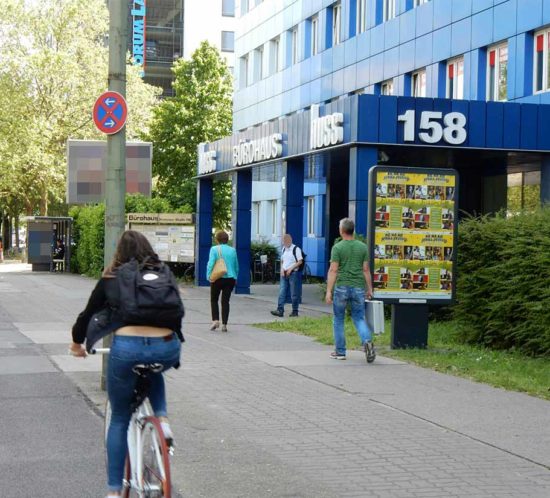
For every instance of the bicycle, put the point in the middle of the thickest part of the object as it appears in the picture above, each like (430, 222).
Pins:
(147, 469)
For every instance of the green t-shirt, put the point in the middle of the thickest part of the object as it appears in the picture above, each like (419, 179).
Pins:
(350, 256)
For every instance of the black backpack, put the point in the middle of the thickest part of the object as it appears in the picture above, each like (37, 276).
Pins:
(304, 255)
(148, 295)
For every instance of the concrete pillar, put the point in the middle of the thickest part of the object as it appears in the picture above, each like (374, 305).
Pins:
(242, 225)
(203, 241)
(361, 159)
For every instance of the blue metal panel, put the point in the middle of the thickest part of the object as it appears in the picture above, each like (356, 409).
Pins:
(377, 68)
(494, 131)
(326, 87)
(369, 107)
(482, 29)
(361, 160)
(350, 83)
(440, 79)
(424, 18)
(305, 71)
(546, 13)
(407, 26)
(337, 83)
(294, 200)
(363, 45)
(338, 57)
(442, 13)
(406, 57)
(529, 15)
(477, 124)
(242, 219)
(388, 119)
(543, 139)
(204, 229)
(461, 33)
(512, 125)
(326, 62)
(315, 89)
(403, 105)
(350, 51)
(391, 33)
(377, 39)
(315, 65)
(479, 5)
(423, 51)
(327, 27)
(442, 44)
(305, 95)
(462, 106)
(405, 83)
(391, 63)
(461, 9)
(363, 70)
(478, 82)
(505, 15)
(524, 65)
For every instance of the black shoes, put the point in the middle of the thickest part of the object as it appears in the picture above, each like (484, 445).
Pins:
(294, 313)
(370, 352)
(277, 313)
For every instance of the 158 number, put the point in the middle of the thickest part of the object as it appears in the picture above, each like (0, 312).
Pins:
(452, 130)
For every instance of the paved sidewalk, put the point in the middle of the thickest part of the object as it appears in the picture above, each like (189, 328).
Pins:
(266, 414)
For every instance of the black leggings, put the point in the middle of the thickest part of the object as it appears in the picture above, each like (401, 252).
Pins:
(225, 286)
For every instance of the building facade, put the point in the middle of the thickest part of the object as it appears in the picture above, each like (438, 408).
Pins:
(338, 87)
(162, 31)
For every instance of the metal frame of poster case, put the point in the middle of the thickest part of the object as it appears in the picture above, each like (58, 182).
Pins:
(408, 297)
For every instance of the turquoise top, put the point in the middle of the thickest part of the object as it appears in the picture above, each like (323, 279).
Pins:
(229, 255)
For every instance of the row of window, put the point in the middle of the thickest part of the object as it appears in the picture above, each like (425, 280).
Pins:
(273, 220)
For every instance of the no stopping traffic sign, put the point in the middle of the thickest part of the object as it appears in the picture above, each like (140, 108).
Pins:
(110, 112)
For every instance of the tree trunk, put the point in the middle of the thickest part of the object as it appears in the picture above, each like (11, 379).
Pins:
(16, 218)
(6, 232)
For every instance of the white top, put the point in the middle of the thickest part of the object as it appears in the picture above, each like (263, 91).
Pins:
(287, 256)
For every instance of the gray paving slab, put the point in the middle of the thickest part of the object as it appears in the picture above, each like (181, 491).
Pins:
(13, 365)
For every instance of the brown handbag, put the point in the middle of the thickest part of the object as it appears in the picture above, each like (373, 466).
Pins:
(220, 268)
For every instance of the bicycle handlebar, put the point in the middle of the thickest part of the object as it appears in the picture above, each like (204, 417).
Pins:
(100, 351)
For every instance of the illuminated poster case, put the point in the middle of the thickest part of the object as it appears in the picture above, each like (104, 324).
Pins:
(412, 234)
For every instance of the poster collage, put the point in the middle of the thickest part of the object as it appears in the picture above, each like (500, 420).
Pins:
(414, 235)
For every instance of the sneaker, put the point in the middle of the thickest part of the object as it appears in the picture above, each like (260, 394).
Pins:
(215, 325)
(370, 352)
(294, 313)
(277, 313)
(337, 356)
(224, 328)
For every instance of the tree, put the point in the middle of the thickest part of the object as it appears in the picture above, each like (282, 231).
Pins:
(201, 111)
(54, 61)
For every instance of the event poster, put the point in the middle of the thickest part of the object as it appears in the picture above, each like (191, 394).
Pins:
(175, 244)
(414, 232)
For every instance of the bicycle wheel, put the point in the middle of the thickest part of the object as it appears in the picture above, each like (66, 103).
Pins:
(155, 472)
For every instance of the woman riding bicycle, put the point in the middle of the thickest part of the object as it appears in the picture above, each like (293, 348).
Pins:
(132, 344)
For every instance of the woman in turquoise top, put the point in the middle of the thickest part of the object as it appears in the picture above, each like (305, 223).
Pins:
(224, 285)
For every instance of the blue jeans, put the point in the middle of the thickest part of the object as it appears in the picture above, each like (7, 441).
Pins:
(127, 351)
(286, 282)
(355, 296)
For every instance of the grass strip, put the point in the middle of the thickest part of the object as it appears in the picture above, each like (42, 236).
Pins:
(505, 369)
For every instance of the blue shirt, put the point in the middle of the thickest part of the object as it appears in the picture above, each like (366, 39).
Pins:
(229, 255)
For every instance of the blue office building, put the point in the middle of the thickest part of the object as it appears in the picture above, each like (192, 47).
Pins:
(327, 89)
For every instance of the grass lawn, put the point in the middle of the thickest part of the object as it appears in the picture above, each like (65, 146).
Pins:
(508, 370)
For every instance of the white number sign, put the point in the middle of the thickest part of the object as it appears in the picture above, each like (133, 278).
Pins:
(432, 131)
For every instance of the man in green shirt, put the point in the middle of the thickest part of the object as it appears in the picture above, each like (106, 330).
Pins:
(350, 279)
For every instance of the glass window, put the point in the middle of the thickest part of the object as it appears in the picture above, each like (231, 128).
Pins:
(389, 9)
(497, 72)
(336, 23)
(542, 62)
(314, 35)
(275, 55)
(361, 14)
(455, 78)
(259, 63)
(256, 210)
(228, 8)
(420, 2)
(244, 7)
(228, 41)
(311, 216)
(418, 83)
(273, 217)
(244, 71)
(386, 88)
(294, 41)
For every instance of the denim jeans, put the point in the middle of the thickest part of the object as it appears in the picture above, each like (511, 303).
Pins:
(286, 283)
(127, 351)
(355, 296)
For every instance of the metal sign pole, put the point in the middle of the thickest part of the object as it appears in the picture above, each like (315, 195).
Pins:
(115, 184)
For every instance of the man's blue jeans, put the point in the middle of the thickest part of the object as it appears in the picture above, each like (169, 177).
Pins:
(355, 296)
(286, 283)
(127, 351)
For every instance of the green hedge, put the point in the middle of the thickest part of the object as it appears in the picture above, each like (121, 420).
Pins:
(504, 282)
(89, 230)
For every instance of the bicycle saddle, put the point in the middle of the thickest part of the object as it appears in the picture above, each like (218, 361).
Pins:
(145, 368)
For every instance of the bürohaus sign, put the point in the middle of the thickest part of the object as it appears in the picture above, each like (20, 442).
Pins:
(261, 149)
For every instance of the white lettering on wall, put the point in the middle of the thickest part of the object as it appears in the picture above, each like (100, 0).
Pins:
(207, 160)
(453, 131)
(262, 149)
(325, 130)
